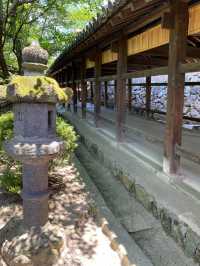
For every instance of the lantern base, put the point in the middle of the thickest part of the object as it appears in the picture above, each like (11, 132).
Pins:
(32, 247)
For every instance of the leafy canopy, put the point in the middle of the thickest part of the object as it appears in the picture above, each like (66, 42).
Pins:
(54, 23)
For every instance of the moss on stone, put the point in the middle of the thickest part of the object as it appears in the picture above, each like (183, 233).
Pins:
(69, 92)
(2, 92)
(36, 88)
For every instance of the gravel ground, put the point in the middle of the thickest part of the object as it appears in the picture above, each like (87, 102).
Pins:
(70, 207)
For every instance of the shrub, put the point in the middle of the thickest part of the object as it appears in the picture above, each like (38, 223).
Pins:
(6, 127)
(67, 134)
(11, 180)
(6, 132)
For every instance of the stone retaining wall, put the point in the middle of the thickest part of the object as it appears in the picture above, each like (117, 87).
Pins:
(159, 95)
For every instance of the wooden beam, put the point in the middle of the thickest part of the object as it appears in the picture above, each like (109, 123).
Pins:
(108, 78)
(189, 67)
(97, 107)
(175, 102)
(121, 88)
(167, 21)
(148, 95)
(148, 72)
(83, 89)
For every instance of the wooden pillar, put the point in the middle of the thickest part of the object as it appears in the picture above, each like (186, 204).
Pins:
(92, 92)
(130, 95)
(177, 55)
(106, 93)
(78, 91)
(97, 102)
(148, 96)
(67, 77)
(115, 94)
(75, 100)
(121, 89)
(83, 89)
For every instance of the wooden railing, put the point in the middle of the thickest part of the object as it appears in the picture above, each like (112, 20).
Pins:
(194, 157)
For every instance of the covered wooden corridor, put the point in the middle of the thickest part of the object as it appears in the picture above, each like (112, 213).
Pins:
(138, 39)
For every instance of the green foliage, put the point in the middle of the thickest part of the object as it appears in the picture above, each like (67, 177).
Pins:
(55, 23)
(67, 134)
(10, 176)
(6, 127)
(11, 181)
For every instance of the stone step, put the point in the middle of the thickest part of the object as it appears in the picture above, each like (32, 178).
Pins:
(143, 227)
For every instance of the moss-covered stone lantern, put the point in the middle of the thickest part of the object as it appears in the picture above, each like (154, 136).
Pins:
(34, 97)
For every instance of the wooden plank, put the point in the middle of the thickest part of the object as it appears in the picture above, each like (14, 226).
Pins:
(151, 38)
(89, 63)
(97, 102)
(121, 89)
(109, 56)
(83, 89)
(174, 118)
(148, 96)
(194, 22)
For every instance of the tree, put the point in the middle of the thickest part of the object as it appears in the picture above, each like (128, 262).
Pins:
(54, 23)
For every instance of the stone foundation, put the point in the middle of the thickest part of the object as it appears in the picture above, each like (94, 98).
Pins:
(185, 235)
(32, 247)
(159, 95)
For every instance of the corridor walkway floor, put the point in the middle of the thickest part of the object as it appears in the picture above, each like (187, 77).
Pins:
(145, 138)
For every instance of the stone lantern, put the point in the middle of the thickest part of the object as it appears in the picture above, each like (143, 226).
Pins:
(34, 97)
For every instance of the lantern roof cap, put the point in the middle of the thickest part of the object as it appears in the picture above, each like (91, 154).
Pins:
(40, 89)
